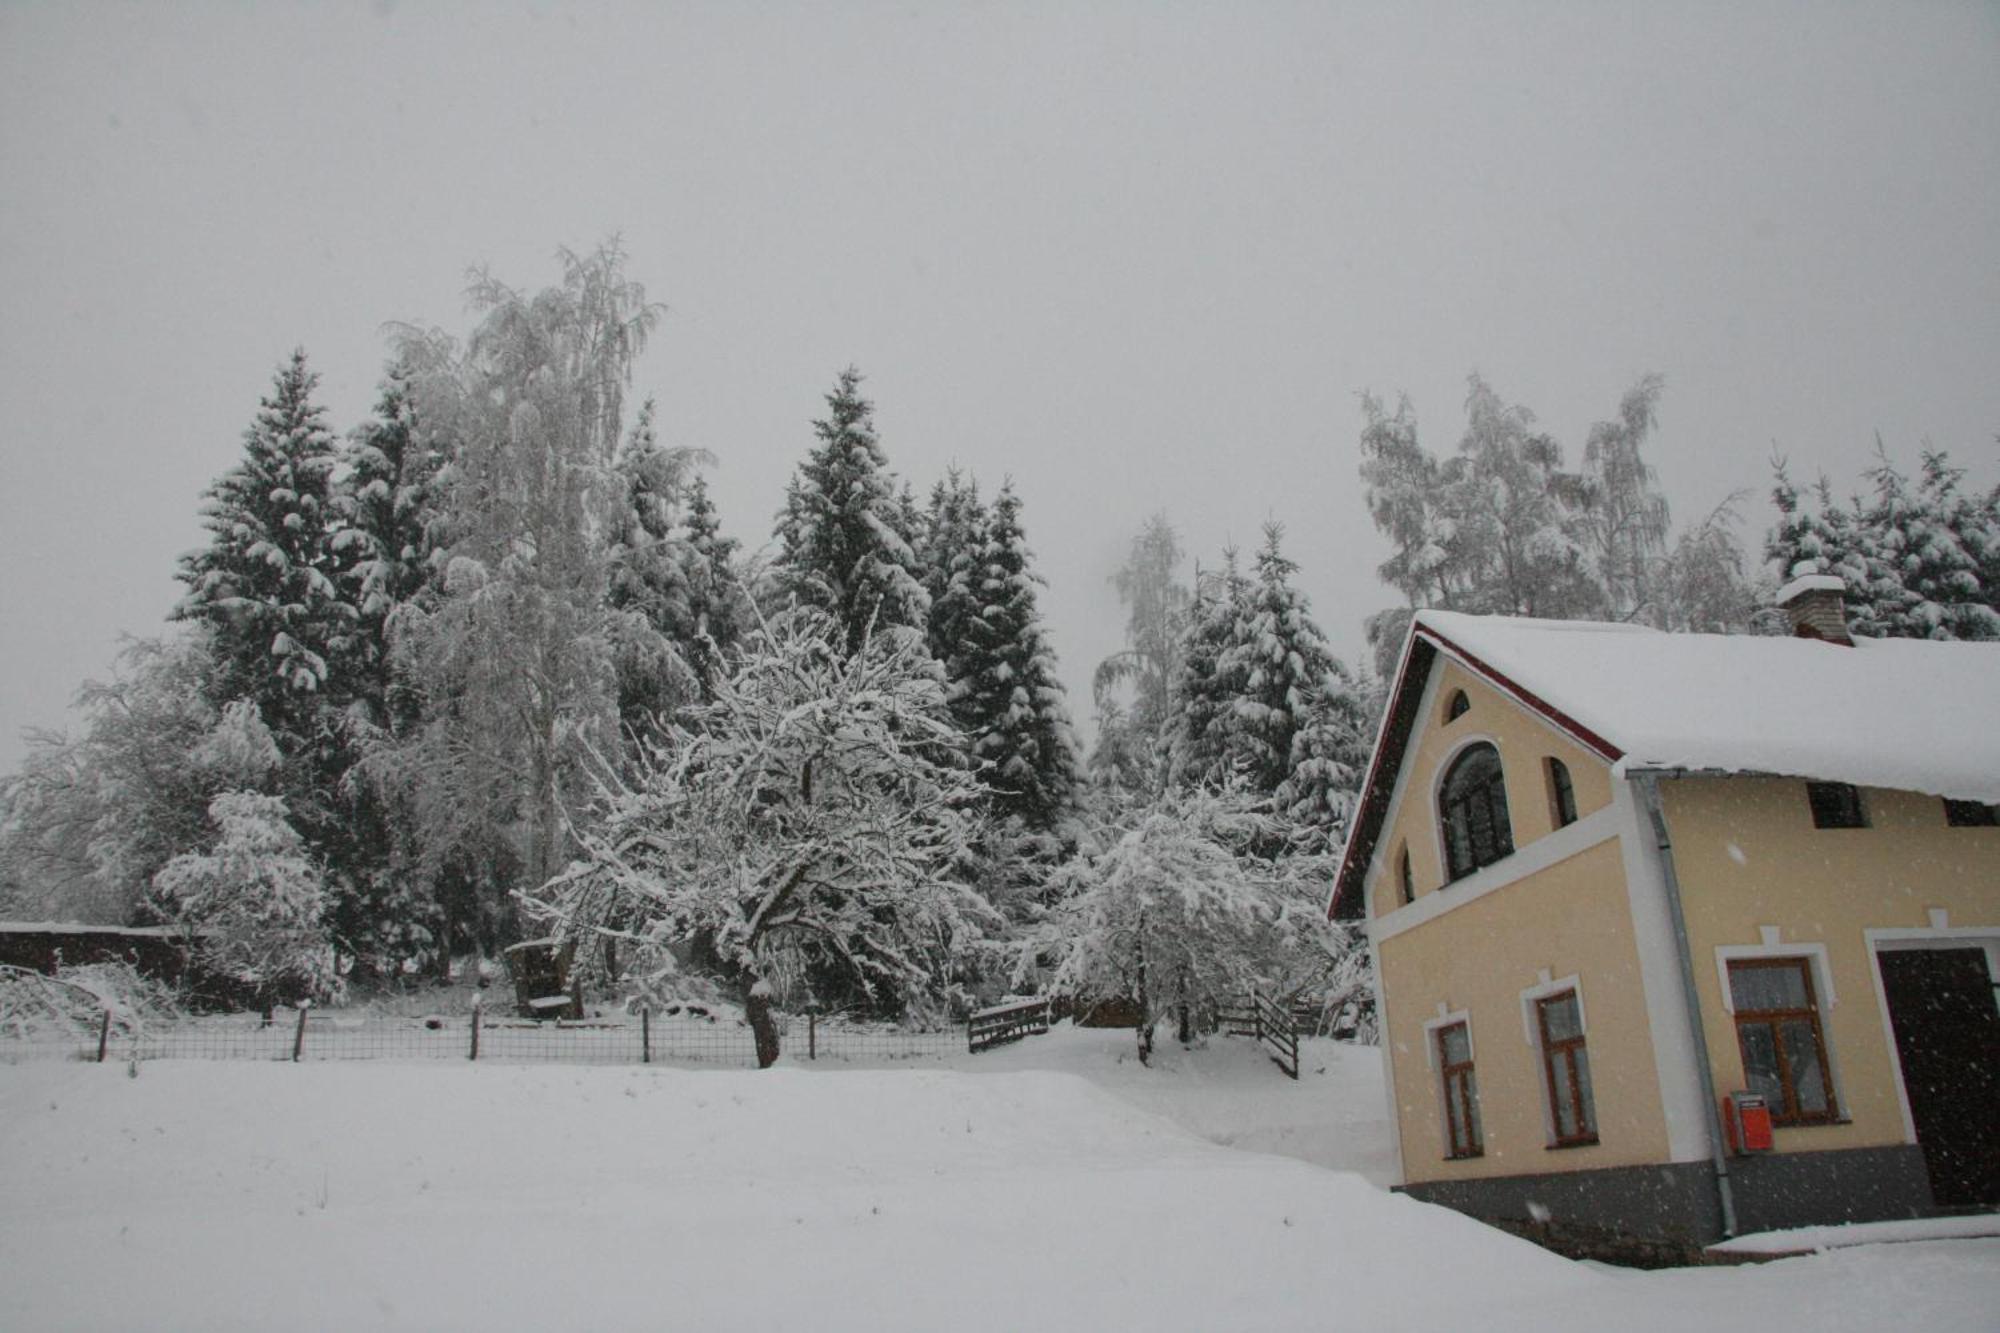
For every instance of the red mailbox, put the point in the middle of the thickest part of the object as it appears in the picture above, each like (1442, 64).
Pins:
(1747, 1117)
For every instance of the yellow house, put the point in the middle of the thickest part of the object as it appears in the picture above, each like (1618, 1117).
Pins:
(1612, 876)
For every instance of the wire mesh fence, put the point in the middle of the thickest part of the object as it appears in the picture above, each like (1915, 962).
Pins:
(693, 1039)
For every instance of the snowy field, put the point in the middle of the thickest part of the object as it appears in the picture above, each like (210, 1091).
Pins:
(1055, 1185)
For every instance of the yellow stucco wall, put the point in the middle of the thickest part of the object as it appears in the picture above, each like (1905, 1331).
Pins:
(1524, 742)
(1570, 919)
(1748, 856)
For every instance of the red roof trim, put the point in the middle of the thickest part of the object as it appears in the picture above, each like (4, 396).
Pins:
(1605, 749)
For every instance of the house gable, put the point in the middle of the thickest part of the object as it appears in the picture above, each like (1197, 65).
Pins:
(1446, 701)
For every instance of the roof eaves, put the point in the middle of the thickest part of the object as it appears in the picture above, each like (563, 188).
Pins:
(1398, 720)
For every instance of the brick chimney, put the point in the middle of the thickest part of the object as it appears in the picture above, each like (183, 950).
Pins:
(1817, 605)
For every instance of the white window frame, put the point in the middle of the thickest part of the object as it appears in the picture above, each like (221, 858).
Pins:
(1531, 1032)
(1770, 945)
(1450, 1018)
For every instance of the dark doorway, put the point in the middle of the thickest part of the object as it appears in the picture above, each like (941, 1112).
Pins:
(1942, 1004)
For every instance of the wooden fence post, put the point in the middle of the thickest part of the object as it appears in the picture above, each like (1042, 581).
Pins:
(645, 1034)
(812, 1033)
(475, 1028)
(104, 1035)
(299, 1035)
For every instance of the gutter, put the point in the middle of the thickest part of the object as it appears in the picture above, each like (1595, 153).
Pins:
(1646, 783)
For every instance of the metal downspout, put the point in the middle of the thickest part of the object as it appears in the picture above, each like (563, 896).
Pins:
(1648, 787)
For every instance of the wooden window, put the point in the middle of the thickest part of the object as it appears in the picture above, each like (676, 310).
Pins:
(1835, 805)
(1562, 796)
(1457, 706)
(1970, 814)
(1472, 809)
(1461, 1092)
(1403, 871)
(1778, 1033)
(1566, 1069)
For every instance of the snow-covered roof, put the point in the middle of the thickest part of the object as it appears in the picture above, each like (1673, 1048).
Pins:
(1918, 715)
(1915, 714)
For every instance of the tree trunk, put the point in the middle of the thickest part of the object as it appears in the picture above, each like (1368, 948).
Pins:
(757, 1011)
(1186, 1027)
(1145, 1000)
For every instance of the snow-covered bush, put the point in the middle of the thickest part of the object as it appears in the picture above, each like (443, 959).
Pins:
(1179, 907)
(255, 902)
(70, 1005)
(811, 823)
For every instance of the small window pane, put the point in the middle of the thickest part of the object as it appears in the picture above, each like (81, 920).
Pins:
(1760, 1063)
(1756, 988)
(1458, 707)
(1565, 1100)
(1970, 814)
(1563, 793)
(1802, 1054)
(1457, 1046)
(1560, 1017)
(1583, 1087)
(1835, 805)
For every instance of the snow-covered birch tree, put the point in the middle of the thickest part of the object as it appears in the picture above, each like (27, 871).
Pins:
(516, 658)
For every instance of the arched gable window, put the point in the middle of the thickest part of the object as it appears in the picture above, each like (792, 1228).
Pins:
(1472, 808)
(1457, 706)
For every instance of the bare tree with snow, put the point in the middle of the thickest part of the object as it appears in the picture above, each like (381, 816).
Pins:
(814, 819)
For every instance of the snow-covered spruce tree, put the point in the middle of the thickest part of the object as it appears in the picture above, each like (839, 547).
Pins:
(717, 605)
(1819, 535)
(843, 546)
(253, 903)
(516, 658)
(391, 526)
(1133, 688)
(954, 529)
(283, 629)
(801, 822)
(1198, 749)
(1279, 664)
(1173, 911)
(390, 507)
(1923, 579)
(648, 572)
(1005, 691)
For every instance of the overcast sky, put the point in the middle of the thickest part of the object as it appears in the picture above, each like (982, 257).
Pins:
(1136, 257)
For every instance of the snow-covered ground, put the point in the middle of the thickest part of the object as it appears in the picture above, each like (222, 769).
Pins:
(1054, 1185)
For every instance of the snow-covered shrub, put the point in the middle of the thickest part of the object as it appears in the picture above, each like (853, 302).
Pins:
(1180, 907)
(255, 902)
(70, 1005)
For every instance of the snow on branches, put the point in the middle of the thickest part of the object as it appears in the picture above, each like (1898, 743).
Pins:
(255, 902)
(1180, 906)
(810, 823)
